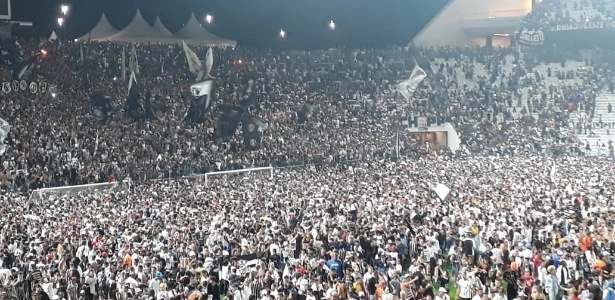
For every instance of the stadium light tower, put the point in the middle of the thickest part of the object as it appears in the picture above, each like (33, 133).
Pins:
(332, 25)
(60, 21)
(282, 33)
(64, 9)
(209, 18)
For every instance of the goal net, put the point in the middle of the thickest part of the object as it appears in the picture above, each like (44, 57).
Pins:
(83, 190)
(225, 177)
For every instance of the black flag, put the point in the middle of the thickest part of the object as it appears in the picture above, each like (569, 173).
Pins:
(229, 118)
(22, 67)
(196, 112)
(149, 108)
(304, 114)
(307, 109)
(253, 128)
(101, 106)
(134, 109)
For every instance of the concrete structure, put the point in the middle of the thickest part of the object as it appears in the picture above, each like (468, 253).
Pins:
(474, 22)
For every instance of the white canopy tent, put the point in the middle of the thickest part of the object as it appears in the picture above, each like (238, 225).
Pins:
(102, 30)
(160, 27)
(194, 33)
(138, 30)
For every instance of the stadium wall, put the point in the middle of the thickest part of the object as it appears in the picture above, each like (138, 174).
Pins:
(447, 28)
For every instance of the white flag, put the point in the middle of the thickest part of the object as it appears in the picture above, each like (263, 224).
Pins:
(408, 87)
(201, 88)
(442, 191)
(5, 127)
(194, 64)
(133, 78)
(134, 61)
(209, 62)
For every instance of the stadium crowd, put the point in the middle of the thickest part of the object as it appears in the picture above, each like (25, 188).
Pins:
(570, 14)
(358, 116)
(511, 227)
(521, 220)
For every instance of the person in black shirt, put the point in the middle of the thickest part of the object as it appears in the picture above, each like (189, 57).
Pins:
(418, 278)
(371, 286)
(275, 258)
(40, 294)
(512, 285)
(213, 288)
(594, 288)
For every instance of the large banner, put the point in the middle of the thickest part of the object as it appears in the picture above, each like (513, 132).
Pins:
(576, 34)
(582, 35)
(573, 25)
(531, 37)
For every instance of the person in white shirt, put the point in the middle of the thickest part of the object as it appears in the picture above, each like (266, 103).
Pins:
(464, 287)
(310, 295)
(500, 295)
(91, 280)
(82, 250)
(478, 295)
(154, 283)
(303, 284)
(442, 295)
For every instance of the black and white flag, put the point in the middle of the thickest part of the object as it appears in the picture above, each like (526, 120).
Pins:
(200, 103)
(201, 89)
(531, 37)
(407, 87)
(21, 68)
(253, 128)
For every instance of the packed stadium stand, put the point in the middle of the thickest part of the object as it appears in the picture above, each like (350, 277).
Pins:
(187, 172)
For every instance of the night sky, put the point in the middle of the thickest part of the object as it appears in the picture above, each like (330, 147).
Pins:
(367, 23)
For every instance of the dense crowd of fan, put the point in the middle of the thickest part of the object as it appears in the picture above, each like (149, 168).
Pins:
(358, 116)
(549, 14)
(506, 216)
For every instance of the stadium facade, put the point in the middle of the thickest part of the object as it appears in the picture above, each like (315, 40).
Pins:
(474, 22)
